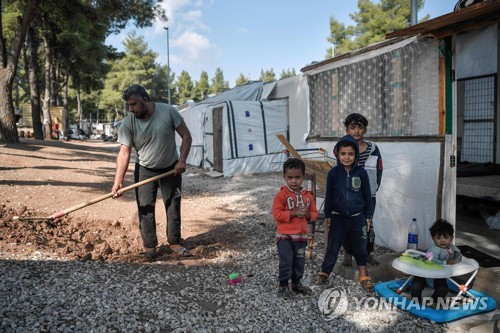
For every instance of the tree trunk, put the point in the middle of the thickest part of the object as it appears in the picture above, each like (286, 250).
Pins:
(46, 98)
(7, 120)
(54, 90)
(33, 70)
(79, 107)
(65, 113)
(8, 62)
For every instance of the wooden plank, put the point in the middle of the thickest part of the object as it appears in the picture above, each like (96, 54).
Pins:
(288, 146)
(442, 95)
(318, 168)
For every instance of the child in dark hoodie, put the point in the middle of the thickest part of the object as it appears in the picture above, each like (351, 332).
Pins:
(348, 210)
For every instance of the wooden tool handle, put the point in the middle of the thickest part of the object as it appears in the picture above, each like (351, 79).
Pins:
(109, 195)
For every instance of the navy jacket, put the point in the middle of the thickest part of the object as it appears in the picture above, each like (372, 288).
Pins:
(348, 193)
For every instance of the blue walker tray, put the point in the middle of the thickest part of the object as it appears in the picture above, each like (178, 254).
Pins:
(481, 304)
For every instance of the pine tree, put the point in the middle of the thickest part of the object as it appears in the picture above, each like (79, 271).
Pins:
(241, 80)
(289, 73)
(268, 75)
(185, 88)
(138, 66)
(218, 83)
(202, 87)
(373, 21)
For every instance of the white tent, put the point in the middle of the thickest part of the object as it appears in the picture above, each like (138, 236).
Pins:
(195, 115)
(295, 90)
(240, 136)
(235, 133)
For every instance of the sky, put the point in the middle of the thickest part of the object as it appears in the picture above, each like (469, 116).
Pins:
(245, 37)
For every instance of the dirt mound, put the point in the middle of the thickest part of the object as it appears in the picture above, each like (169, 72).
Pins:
(86, 239)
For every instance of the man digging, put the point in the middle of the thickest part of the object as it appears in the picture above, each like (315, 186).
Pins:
(150, 129)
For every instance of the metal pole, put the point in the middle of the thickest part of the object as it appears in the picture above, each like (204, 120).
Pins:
(414, 10)
(168, 66)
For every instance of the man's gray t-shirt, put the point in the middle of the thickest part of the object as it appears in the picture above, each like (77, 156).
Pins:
(153, 138)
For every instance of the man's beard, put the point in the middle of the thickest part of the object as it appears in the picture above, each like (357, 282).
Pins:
(144, 110)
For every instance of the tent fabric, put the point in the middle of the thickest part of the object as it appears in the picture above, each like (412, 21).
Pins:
(267, 90)
(251, 91)
(295, 90)
(249, 142)
(475, 52)
(195, 116)
(388, 88)
(249, 128)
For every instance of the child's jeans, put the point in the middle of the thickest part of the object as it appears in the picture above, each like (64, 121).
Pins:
(350, 229)
(370, 244)
(292, 261)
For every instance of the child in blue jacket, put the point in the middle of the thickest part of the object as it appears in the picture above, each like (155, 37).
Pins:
(348, 210)
(370, 159)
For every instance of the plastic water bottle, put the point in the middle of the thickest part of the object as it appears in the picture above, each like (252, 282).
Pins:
(413, 235)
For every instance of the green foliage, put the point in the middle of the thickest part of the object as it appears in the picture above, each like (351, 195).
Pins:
(185, 88)
(218, 83)
(10, 12)
(373, 21)
(115, 14)
(138, 66)
(79, 44)
(158, 88)
(267, 76)
(202, 87)
(241, 80)
(139, 62)
(288, 73)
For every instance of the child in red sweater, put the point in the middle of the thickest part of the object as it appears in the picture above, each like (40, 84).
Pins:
(293, 209)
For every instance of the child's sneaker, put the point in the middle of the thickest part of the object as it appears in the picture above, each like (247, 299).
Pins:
(321, 278)
(300, 289)
(285, 292)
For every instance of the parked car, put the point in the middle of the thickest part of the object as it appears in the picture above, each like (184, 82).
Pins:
(70, 134)
(109, 138)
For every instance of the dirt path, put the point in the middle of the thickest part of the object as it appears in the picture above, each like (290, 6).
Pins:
(39, 178)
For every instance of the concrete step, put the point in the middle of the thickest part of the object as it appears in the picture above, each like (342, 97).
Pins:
(481, 323)
(382, 272)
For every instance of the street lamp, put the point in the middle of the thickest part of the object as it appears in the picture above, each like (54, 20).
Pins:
(168, 67)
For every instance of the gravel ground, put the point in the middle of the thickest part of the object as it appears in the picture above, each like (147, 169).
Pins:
(38, 294)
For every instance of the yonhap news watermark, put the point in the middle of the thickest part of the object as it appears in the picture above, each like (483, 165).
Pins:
(334, 302)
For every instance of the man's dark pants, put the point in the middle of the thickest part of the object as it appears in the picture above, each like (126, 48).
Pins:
(170, 188)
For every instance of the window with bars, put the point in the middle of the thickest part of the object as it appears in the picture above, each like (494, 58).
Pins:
(479, 120)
